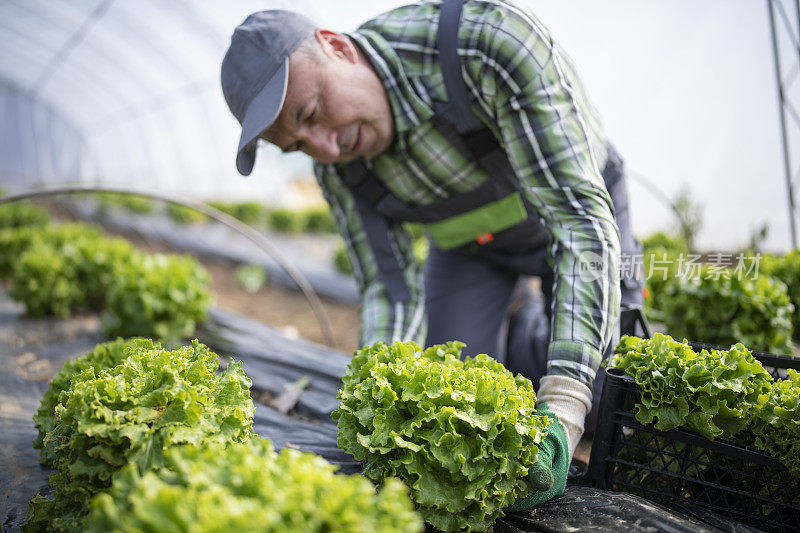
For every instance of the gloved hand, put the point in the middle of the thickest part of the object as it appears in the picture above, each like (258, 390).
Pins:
(548, 475)
(567, 401)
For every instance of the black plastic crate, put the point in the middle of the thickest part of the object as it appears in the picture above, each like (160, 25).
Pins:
(684, 470)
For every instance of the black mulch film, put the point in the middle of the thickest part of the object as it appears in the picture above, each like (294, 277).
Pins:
(32, 350)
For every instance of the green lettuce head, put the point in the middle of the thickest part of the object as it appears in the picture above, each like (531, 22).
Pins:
(717, 393)
(248, 487)
(153, 399)
(460, 434)
(106, 355)
(711, 392)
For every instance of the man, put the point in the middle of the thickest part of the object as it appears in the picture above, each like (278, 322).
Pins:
(470, 119)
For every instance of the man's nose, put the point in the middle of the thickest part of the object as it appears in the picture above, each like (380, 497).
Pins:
(323, 141)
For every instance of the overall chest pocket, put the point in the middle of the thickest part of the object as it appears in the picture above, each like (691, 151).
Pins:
(489, 218)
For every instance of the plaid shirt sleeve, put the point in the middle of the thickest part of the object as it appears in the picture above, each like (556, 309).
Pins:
(381, 319)
(529, 96)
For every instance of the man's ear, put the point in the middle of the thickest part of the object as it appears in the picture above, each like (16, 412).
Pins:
(337, 45)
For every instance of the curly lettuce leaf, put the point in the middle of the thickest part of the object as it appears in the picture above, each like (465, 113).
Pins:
(248, 487)
(152, 400)
(711, 392)
(776, 426)
(721, 393)
(460, 434)
(106, 355)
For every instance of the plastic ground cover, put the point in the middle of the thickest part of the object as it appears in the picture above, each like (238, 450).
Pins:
(31, 351)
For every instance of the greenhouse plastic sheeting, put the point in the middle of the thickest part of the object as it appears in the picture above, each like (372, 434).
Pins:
(31, 351)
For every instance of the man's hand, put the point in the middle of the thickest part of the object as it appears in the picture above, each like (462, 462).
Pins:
(566, 401)
(548, 475)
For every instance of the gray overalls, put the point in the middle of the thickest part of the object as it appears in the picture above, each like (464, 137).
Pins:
(469, 287)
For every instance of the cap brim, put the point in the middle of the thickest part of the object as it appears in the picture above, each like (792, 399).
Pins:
(263, 111)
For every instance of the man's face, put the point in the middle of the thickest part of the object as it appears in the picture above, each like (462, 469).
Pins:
(335, 110)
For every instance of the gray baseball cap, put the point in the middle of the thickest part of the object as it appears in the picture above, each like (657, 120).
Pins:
(255, 71)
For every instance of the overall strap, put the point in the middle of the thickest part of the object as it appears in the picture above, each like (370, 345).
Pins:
(368, 191)
(369, 188)
(378, 206)
(389, 268)
(456, 114)
(457, 108)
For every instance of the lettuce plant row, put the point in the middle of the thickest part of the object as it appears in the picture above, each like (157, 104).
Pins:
(718, 305)
(311, 220)
(729, 309)
(22, 214)
(147, 438)
(58, 270)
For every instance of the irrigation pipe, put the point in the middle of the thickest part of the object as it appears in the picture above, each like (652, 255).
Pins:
(257, 238)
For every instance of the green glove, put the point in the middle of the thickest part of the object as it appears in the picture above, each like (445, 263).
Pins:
(548, 475)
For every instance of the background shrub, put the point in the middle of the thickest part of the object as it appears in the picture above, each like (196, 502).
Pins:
(96, 263)
(131, 413)
(251, 278)
(56, 276)
(728, 308)
(341, 260)
(185, 215)
(665, 241)
(22, 213)
(319, 220)
(56, 270)
(659, 266)
(225, 207)
(15, 241)
(285, 221)
(108, 201)
(47, 282)
(251, 213)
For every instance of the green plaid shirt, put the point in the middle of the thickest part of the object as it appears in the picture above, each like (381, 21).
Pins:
(526, 91)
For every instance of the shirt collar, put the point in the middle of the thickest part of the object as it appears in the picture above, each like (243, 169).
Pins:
(408, 109)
